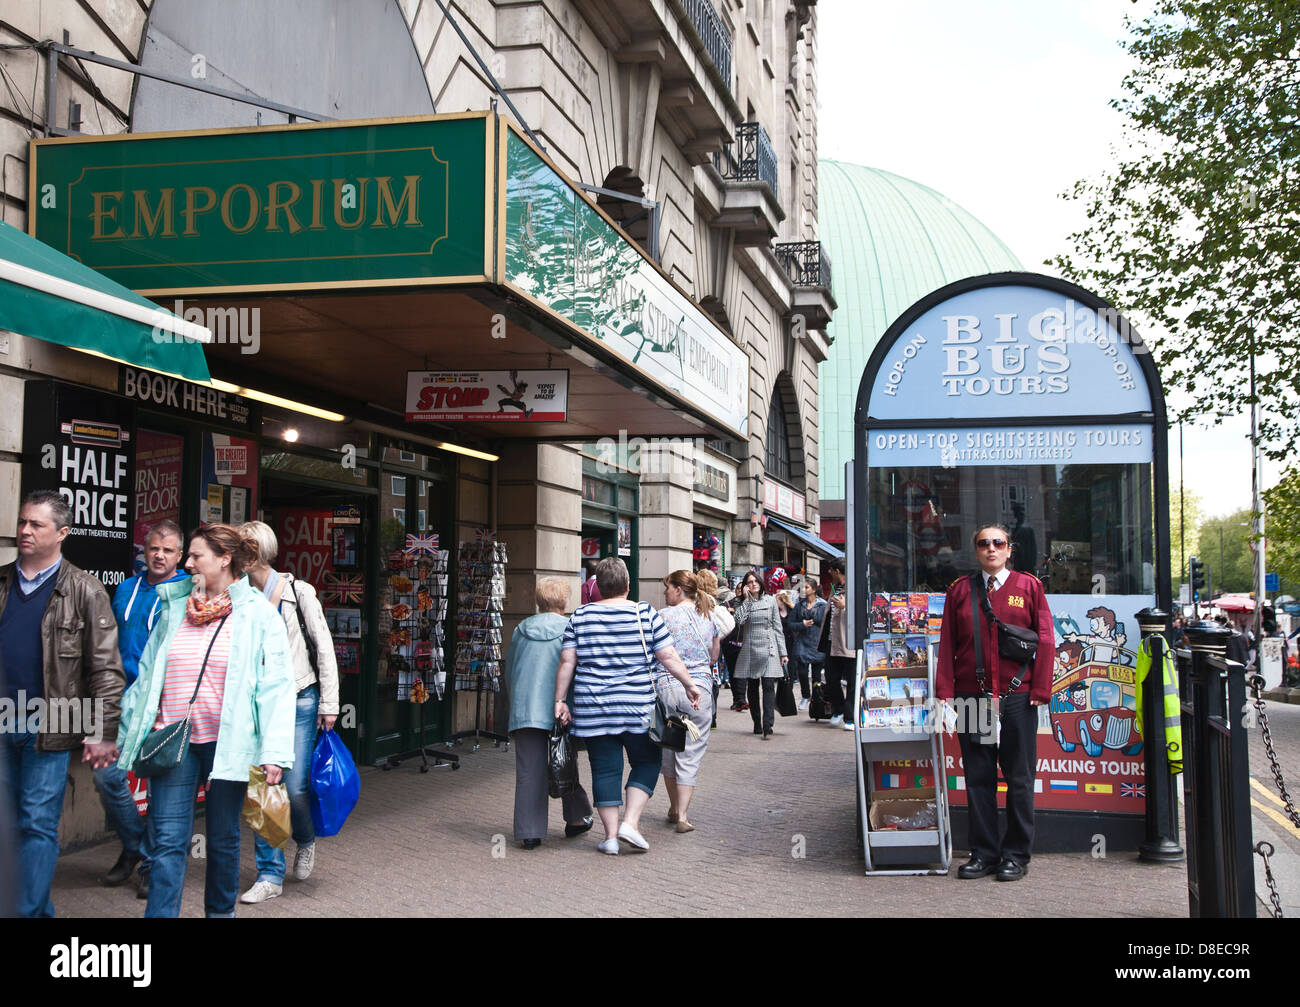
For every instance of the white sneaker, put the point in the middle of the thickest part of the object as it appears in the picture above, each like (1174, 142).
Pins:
(803, 704)
(609, 846)
(631, 836)
(837, 721)
(261, 891)
(303, 862)
(848, 725)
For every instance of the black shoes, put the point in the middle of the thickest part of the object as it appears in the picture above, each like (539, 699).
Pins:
(757, 729)
(976, 867)
(576, 830)
(1010, 870)
(142, 892)
(121, 871)
(767, 733)
(532, 844)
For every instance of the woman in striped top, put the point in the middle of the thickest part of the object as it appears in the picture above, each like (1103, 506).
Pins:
(219, 654)
(606, 657)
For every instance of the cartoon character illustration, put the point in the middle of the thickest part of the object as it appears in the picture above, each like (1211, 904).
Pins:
(1093, 710)
(1105, 641)
(515, 396)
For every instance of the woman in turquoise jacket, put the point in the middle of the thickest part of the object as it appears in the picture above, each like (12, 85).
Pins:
(218, 654)
(531, 664)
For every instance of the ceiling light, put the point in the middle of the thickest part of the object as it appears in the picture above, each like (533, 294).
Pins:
(291, 434)
(276, 400)
(458, 449)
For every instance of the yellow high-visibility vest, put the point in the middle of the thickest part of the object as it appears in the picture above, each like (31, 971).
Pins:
(1173, 712)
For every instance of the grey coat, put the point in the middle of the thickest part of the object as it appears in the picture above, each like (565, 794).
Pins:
(764, 646)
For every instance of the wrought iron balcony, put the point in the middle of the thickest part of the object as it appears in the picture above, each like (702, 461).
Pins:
(750, 159)
(805, 262)
(713, 33)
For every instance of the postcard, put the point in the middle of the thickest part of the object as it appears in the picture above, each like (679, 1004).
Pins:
(936, 613)
(880, 613)
(898, 613)
(877, 654)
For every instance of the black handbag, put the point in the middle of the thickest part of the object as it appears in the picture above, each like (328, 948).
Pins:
(1015, 643)
(165, 749)
(561, 762)
(666, 729)
(785, 703)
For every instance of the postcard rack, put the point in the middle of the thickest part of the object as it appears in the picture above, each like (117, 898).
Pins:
(902, 850)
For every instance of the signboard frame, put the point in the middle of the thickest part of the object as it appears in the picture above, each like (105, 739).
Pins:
(1058, 829)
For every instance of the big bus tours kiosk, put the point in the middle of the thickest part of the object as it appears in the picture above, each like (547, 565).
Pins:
(1021, 399)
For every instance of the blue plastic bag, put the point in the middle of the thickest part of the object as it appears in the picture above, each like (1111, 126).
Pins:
(335, 784)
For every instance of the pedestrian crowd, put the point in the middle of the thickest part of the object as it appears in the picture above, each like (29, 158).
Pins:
(206, 662)
(601, 672)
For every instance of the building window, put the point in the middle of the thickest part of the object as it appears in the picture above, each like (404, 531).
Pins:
(777, 461)
(399, 485)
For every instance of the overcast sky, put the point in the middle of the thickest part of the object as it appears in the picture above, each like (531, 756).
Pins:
(1001, 105)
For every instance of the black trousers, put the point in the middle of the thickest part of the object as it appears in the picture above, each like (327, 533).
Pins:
(839, 683)
(808, 674)
(1017, 754)
(768, 716)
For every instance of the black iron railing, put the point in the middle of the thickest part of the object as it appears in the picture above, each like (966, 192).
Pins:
(750, 159)
(713, 33)
(1216, 778)
(805, 262)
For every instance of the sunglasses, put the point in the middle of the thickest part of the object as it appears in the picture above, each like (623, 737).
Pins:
(997, 543)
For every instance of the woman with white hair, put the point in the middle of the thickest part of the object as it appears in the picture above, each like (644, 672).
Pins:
(531, 664)
(317, 678)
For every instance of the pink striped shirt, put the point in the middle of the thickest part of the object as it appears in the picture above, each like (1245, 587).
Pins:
(184, 659)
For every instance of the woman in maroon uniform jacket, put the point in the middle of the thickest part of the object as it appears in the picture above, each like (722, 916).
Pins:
(1018, 600)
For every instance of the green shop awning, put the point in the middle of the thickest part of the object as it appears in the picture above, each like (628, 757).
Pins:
(50, 296)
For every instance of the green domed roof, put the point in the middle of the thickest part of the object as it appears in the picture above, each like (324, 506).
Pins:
(891, 241)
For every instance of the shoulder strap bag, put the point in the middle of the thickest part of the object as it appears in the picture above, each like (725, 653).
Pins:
(307, 640)
(666, 730)
(1015, 643)
(165, 748)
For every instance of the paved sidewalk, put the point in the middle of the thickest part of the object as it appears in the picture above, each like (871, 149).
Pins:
(432, 844)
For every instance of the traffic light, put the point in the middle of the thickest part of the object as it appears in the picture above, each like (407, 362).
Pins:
(1198, 575)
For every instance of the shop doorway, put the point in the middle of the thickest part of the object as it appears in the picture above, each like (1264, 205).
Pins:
(331, 557)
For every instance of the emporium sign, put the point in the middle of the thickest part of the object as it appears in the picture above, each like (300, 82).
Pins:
(277, 206)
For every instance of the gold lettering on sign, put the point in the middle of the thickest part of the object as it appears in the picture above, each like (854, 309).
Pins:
(193, 210)
(101, 213)
(151, 219)
(254, 207)
(410, 199)
(275, 205)
(317, 204)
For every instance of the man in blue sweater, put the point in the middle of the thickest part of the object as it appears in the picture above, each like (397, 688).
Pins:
(135, 606)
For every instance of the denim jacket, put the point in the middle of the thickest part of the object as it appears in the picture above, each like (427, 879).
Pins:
(257, 708)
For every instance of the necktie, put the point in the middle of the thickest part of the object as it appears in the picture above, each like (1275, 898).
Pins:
(993, 584)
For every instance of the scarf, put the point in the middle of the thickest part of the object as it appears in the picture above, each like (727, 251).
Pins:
(200, 612)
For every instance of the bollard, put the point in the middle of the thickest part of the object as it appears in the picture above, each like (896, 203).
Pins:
(1202, 699)
(1161, 843)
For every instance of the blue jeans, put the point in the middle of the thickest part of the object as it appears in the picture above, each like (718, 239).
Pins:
(606, 753)
(171, 829)
(36, 782)
(119, 805)
(270, 861)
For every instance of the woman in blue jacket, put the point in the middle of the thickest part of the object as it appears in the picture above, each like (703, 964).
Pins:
(531, 664)
(219, 654)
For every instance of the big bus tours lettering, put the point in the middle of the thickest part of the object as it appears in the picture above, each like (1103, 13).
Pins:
(1003, 365)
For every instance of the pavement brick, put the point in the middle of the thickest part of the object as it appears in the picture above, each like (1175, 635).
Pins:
(423, 845)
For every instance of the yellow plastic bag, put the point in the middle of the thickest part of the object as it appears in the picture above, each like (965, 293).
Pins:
(266, 808)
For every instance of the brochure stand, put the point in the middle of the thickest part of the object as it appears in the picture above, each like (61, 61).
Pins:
(887, 851)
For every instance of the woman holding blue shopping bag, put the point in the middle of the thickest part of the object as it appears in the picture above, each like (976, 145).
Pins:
(316, 680)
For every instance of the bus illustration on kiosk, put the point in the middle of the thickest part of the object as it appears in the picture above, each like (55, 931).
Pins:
(1094, 702)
